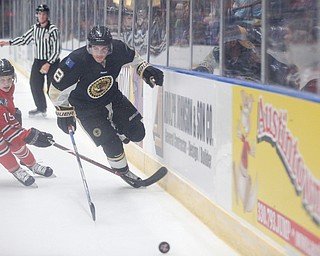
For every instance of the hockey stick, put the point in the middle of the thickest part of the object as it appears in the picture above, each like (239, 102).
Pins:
(91, 205)
(87, 159)
(159, 174)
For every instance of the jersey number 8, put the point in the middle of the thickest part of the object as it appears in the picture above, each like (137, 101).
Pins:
(58, 75)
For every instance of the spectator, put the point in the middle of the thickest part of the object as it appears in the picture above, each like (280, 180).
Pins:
(246, 9)
(181, 25)
(242, 59)
(141, 29)
(127, 26)
(211, 21)
(244, 62)
(158, 31)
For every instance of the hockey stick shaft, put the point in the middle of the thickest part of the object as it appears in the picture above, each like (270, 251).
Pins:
(144, 183)
(87, 159)
(84, 180)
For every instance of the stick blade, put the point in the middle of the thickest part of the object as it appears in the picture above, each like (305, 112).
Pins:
(137, 183)
(158, 175)
(93, 211)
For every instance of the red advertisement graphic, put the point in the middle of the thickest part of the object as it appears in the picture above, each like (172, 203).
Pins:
(288, 230)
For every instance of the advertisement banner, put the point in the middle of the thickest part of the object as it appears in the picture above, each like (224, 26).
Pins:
(276, 171)
(188, 127)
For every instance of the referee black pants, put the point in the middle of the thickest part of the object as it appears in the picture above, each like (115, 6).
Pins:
(37, 83)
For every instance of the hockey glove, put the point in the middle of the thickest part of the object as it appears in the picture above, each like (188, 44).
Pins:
(38, 138)
(151, 75)
(18, 116)
(66, 118)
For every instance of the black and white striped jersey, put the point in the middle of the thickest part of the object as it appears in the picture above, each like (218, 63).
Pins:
(47, 45)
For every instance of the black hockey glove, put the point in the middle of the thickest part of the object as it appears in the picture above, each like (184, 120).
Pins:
(18, 116)
(38, 138)
(66, 118)
(151, 75)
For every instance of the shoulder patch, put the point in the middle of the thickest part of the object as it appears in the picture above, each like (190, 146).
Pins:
(3, 102)
(69, 63)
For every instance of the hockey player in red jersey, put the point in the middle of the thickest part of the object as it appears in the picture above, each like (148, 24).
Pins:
(13, 137)
(85, 85)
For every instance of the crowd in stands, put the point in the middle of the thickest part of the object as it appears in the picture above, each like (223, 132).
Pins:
(292, 37)
(292, 42)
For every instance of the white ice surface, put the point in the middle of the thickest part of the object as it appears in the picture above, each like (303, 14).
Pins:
(54, 219)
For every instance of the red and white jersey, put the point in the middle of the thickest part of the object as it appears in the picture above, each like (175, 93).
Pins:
(10, 130)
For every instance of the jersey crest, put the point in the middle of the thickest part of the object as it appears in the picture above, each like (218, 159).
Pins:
(4, 102)
(99, 87)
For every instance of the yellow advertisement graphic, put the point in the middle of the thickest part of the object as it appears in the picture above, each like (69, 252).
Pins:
(276, 166)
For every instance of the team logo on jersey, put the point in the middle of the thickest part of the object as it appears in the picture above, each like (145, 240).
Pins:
(100, 86)
(96, 132)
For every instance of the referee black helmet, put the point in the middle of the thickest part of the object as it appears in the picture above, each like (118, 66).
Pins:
(42, 8)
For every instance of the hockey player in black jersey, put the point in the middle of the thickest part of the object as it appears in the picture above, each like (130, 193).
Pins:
(85, 86)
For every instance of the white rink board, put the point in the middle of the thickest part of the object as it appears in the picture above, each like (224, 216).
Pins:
(196, 133)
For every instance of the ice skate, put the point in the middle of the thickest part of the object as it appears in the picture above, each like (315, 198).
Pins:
(42, 170)
(128, 177)
(22, 176)
(123, 138)
(37, 113)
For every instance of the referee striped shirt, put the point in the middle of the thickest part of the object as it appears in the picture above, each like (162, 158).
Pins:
(47, 45)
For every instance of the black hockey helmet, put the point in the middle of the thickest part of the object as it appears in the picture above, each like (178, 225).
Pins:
(42, 8)
(100, 35)
(6, 69)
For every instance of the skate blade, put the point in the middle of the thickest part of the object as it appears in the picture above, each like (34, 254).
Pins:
(44, 177)
(38, 116)
(34, 185)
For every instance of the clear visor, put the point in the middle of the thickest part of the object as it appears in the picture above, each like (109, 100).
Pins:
(100, 49)
(6, 80)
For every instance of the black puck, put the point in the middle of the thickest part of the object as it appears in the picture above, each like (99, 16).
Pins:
(164, 247)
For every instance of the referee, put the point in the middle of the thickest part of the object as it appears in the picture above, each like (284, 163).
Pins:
(47, 49)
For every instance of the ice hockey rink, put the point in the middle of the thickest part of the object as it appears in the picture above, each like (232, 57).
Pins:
(54, 219)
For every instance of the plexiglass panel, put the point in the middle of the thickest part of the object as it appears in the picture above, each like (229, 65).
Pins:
(281, 49)
(293, 44)
(179, 34)
(158, 33)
